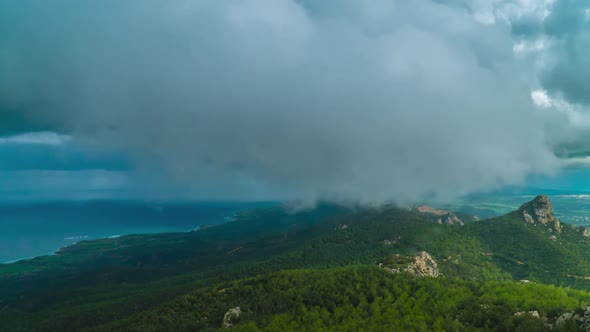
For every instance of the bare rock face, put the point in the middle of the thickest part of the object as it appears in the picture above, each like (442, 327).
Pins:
(231, 315)
(540, 211)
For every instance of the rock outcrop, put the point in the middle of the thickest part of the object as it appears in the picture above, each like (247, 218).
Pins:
(391, 242)
(342, 227)
(230, 317)
(578, 320)
(540, 211)
(532, 313)
(580, 316)
(422, 265)
(452, 219)
(527, 218)
(442, 216)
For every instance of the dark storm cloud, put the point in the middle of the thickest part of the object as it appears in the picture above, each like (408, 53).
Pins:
(567, 30)
(563, 72)
(569, 24)
(358, 100)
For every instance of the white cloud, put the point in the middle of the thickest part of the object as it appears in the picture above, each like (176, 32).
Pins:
(577, 116)
(516, 9)
(37, 138)
(540, 98)
(523, 47)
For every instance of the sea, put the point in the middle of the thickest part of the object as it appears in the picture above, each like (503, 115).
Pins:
(41, 228)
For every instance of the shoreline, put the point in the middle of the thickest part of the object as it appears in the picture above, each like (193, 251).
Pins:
(231, 216)
(89, 238)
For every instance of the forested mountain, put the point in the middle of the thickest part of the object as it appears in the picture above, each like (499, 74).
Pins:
(331, 268)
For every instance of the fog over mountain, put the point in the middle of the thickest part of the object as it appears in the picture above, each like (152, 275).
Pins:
(356, 100)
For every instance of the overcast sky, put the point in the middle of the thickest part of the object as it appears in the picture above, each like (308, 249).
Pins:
(370, 101)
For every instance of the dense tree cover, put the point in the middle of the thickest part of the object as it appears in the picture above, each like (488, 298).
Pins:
(358, 298)
(273, 257)
(528, 252)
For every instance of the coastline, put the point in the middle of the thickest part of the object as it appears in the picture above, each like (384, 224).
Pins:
(54, 242)
(89, 238)
(115, 236)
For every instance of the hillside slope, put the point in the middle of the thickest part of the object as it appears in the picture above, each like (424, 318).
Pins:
(361, 298)
(532, 244)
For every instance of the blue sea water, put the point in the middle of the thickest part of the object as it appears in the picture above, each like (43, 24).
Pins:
(35, 229)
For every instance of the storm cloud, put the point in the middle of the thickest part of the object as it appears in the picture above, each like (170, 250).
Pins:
(368, 101)
(558, 43)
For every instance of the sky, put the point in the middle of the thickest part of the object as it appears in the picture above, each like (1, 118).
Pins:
(365, 101)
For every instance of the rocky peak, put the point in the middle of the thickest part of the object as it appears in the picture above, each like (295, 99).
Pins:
(540, 210)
